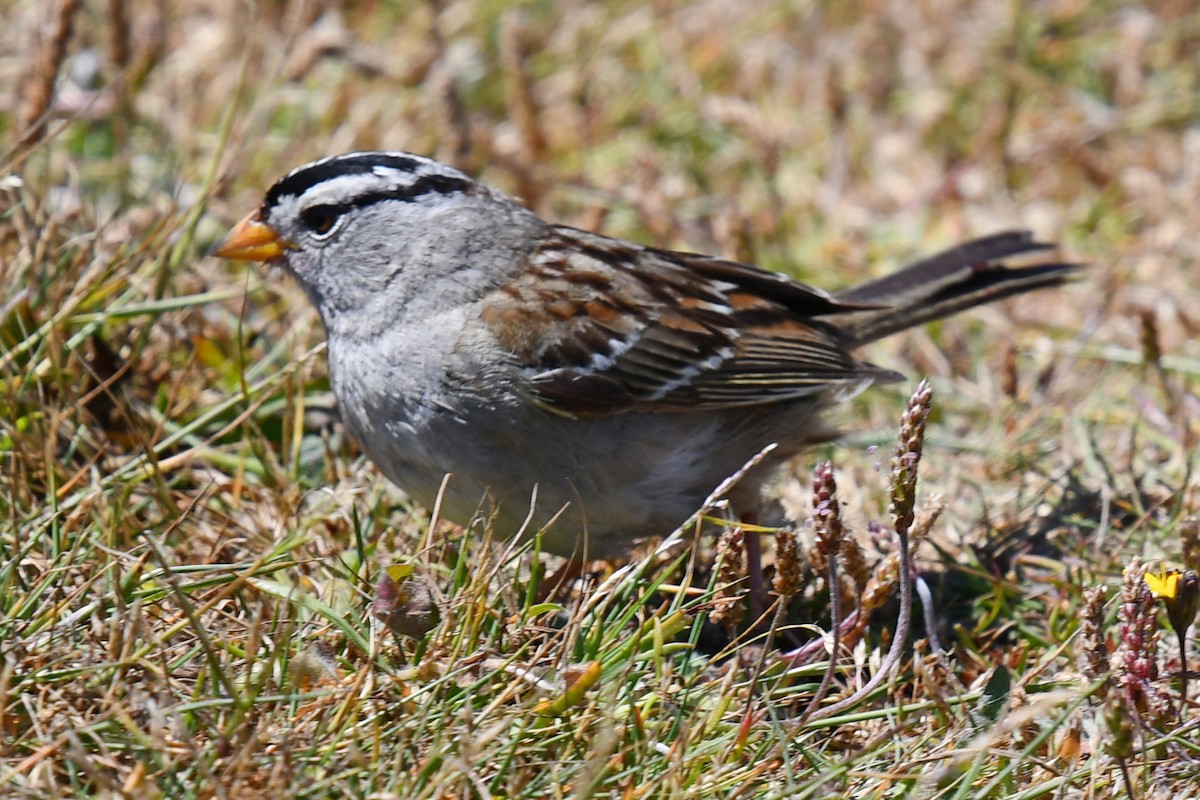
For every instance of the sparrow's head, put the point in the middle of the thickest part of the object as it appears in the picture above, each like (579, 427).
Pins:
(367, 229)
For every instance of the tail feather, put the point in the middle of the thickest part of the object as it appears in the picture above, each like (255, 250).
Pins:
(956, 279)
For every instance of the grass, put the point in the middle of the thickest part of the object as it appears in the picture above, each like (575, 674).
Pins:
(191, 550)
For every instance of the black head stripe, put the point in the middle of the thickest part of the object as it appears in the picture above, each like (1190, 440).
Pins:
(430, 184)
(300, 181)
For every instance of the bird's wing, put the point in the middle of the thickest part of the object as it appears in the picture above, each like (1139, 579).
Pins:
(602, 326)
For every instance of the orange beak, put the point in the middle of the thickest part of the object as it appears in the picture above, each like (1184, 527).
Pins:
(251, 240)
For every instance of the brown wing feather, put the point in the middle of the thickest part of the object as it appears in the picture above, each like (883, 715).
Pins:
(633, 328)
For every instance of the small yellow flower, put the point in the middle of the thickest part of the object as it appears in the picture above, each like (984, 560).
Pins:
(1179, 591)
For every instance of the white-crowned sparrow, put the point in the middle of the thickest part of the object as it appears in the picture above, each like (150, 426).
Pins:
(590, 383)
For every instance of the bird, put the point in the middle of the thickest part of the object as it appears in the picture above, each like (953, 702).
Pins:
(583, 387)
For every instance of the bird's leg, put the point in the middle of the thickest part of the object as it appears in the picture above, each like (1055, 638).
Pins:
(754, 569)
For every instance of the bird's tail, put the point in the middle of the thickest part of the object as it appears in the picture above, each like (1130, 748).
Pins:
(956, 279)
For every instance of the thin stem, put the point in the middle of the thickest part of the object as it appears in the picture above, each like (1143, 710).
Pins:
(1183, 671)
(902, 625)
(835, 611)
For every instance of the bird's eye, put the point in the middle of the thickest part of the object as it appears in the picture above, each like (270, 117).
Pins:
(321, 219)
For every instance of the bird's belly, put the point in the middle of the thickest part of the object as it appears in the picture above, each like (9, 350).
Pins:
(594, 486)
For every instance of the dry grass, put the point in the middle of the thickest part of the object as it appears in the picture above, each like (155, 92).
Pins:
(189, 546)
